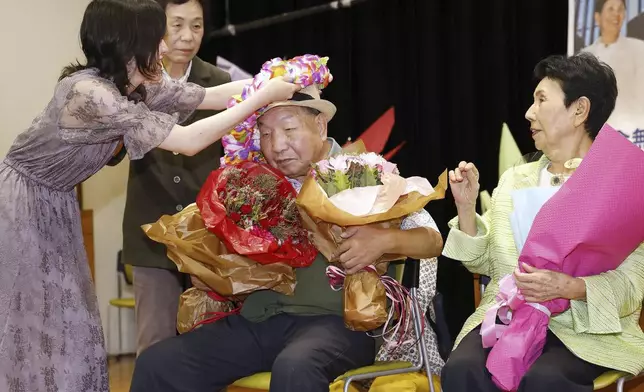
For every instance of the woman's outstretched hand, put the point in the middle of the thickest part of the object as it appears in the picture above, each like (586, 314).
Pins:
(278, 89)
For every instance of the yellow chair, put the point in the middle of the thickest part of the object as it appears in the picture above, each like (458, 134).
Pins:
(609, 378)
(409, 382)
(261, 381)
(120, 302)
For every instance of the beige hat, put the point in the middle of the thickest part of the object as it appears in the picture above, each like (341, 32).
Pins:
(308, 97)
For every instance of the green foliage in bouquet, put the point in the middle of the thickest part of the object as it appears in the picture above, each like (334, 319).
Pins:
(345, 172)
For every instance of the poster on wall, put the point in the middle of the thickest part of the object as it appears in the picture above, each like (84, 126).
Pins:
(613, 30)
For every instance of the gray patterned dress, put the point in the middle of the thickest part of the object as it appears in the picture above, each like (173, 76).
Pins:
(51, 337)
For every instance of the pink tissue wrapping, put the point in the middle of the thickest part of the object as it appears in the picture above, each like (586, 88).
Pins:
(588, 227)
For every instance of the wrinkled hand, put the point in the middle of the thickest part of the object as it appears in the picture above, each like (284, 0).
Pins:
(361, 246)
(539, 285)
(464, 184)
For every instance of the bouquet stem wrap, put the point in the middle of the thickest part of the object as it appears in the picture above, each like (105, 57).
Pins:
(365, 292)
(198, 307)
(584, 229)
(365, 296)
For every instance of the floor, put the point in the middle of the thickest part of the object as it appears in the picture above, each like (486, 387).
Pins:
(121, 373)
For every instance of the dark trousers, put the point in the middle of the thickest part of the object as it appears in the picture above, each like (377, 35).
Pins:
(304, 353)
(557, 369)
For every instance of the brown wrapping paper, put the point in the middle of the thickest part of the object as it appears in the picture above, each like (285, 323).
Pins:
(194, 306)
(316, 204)
(365, 301)
(198, 252)
(326, 237)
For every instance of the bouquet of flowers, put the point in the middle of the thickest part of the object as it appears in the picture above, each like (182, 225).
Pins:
(351, 171)
(353, 182)
(359, 188)
(229, 277)
(251, 208)
(571, 234)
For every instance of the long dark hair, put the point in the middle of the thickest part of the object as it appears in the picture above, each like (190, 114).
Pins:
(114, 32)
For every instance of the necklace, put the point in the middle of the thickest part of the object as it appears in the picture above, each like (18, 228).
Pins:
(559, 178)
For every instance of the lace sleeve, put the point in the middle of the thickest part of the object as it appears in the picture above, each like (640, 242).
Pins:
(429, 267)
(95, 112)
(169, 96)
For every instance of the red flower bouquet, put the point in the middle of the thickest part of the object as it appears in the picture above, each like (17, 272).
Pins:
(251, 208)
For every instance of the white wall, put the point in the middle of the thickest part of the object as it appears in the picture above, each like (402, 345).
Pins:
(104, 193)
(46, 39)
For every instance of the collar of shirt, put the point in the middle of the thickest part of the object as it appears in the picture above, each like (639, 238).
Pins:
(620, 44)
(182, 79)
(335, 149)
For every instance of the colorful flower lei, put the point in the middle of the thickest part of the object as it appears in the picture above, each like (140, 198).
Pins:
(242, 143)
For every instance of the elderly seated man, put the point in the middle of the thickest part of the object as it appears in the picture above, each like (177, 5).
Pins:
(600, 330)
(301, 339)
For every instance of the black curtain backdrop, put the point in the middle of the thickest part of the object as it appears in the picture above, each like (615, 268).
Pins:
(454, 71)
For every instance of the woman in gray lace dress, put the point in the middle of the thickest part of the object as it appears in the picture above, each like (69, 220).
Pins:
(51, 337)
